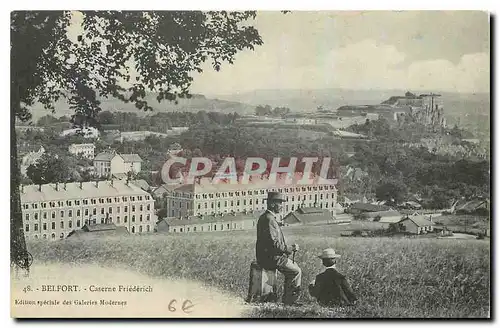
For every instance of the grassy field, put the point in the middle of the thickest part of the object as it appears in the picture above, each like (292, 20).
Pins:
(401, 277)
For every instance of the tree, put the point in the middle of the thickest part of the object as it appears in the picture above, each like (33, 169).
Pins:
(392, 190)
(163, 47)
(49, 169)
(261, 110)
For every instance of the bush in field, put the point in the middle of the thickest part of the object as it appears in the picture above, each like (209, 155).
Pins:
(410, 278)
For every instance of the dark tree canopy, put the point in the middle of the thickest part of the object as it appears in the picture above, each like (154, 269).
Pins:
(164, 47)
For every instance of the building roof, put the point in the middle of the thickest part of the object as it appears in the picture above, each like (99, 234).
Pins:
(141, 183)
(98, 230)
(206, 186)
(72, 190)
(165, 188)
(99, 227)
(213, 218)
(104, 156)
(131, 158)
(383, 214)
(419, 220)
(309, 215)
(369, 207)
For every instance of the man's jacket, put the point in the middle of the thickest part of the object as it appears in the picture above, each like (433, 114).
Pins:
(271, 249)
(331, 288)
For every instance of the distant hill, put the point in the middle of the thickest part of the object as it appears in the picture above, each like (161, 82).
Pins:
(194, 104)
(471, 111)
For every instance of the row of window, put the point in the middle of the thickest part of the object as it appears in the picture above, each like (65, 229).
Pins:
(44, 226)
(231, 203)
(93, 201)
(86, 212)
(258, 192)
(227, 226)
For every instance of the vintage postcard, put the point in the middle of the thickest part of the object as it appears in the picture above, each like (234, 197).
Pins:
(251, 164)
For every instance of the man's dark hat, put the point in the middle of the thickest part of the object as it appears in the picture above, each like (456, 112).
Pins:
(275, 196)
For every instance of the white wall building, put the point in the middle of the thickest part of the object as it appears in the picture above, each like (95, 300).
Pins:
(86, 150)
(52, 211)
(109, 163)
(209, 199)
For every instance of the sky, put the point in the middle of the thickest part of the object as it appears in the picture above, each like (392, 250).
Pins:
(414, 50)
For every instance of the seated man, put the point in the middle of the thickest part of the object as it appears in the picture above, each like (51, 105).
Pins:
(331, 288)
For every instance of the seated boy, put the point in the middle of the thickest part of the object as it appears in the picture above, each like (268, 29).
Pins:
(331, 288)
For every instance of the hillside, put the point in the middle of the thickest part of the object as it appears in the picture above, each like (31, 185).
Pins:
(471, 111)
(195, 104)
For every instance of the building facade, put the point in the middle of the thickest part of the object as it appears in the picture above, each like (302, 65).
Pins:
(86, 150)
(210, 199)
(107, 164)
(52, 211)
(210, 223)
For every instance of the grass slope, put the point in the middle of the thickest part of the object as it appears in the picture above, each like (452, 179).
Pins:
(394, 278)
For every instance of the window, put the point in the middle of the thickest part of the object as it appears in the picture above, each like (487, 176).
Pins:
(147, 228)
(36, 227)
(132, 199)
(44, 226)
(94, 211)
(133, 218)
(70, 213)
(70, 224)
(110, 210)
(133, 208)
(221, 227)
(140, 218)
(147, 217)
(133, 229)
(27, 228)
(61, 236)
(118, 209)
(27, 216)
(140, 228)
(228, 225)
(77, 202)
(149, 207)
(181, 230)
(102, 220)
(126, 209)
(77, 212)
(125, 219)
(85, 202)
(78, 223)
(194, 229)
(62, 214)
(102, 210)
(53, 236)
(53, 225)
(62, 224)
(117, 219)
(44, 236)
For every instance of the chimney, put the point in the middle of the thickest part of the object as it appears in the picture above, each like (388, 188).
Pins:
(81, 185)
(111, 182)
(97, 183)
(39, 187)
(57, 186)
(64, 186)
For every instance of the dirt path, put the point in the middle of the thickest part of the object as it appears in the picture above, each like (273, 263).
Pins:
(206, 302)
